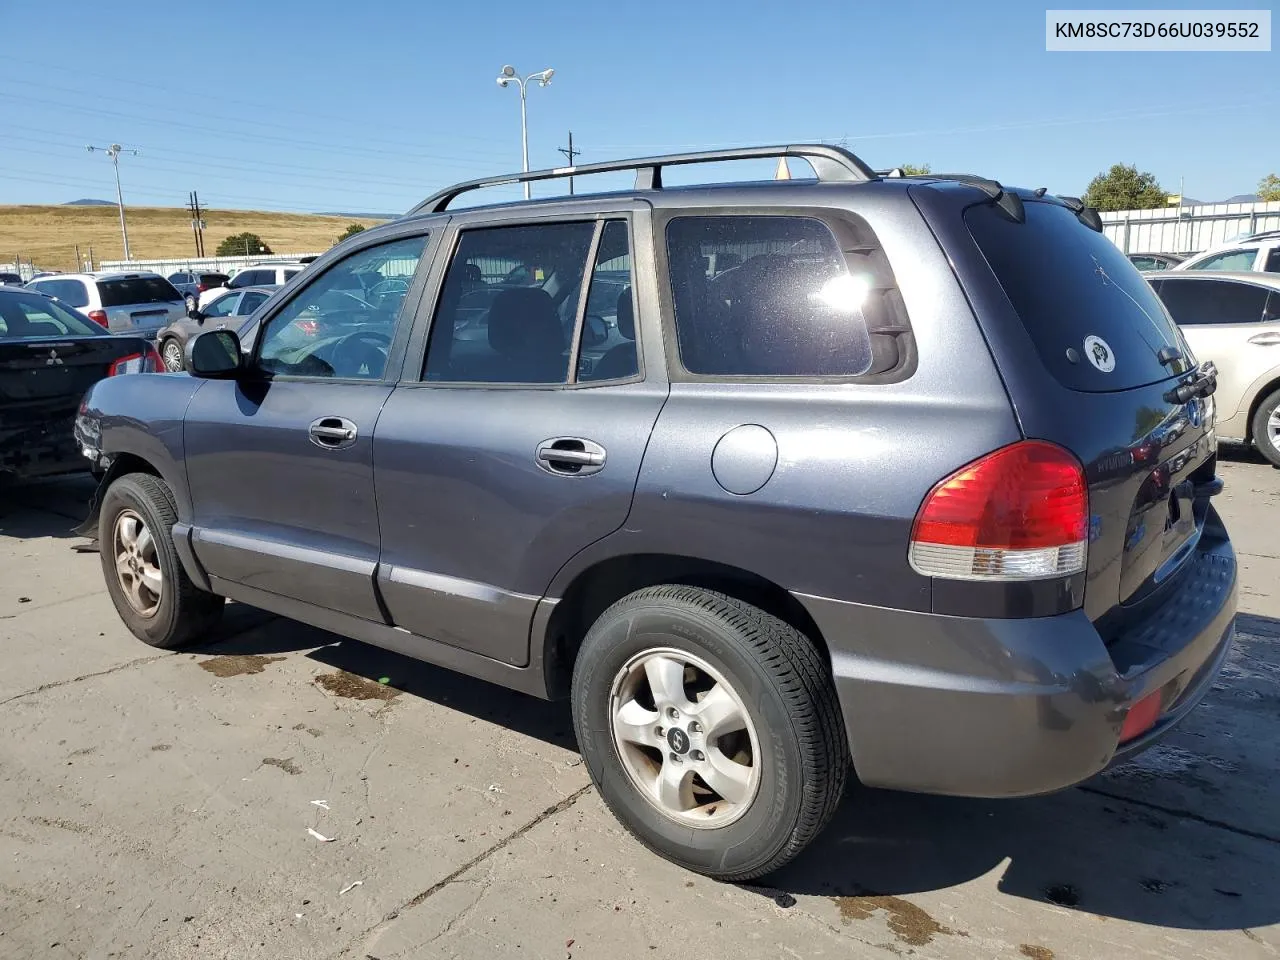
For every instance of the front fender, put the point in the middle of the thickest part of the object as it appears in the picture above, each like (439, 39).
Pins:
(137, 417)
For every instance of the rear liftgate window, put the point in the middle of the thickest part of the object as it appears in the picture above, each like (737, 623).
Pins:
(1074, 290)
(777, 296)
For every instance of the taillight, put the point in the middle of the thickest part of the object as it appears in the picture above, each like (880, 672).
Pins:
(1020, 513)
(99, 317)
(146, 362)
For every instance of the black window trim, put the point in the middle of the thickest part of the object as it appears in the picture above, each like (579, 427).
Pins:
(677, 371)
(1267, 291)
(429, 230)
(416, 356)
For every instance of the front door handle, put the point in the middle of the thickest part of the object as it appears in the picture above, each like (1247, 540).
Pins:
(570, 456)
(1269, 338)
(332, 433)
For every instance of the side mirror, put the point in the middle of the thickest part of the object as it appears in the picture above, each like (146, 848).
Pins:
(215, 355)
(595, 331)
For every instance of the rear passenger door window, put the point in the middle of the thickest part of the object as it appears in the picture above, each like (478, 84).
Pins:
(70, 292)
(1196, 302)
(251, 302)
(775, 296)
(508, 309)
(1273, 261)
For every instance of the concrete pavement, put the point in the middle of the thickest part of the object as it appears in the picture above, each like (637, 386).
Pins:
(172, 806)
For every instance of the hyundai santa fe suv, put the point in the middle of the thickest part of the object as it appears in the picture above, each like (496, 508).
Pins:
(774, 481)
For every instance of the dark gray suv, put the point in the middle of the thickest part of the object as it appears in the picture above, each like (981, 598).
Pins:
(908, 474)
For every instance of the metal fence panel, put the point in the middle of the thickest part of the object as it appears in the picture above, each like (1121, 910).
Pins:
(1190, 229)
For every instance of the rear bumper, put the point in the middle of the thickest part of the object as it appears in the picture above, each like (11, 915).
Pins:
(1004, 708)
(40, 449)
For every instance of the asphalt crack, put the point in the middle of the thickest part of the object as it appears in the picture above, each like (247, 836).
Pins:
(1185, 815)
(54, 684)
(416, 901)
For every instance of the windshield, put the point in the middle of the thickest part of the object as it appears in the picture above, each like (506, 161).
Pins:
(28, 316)
(1096, 323)
(118, 293)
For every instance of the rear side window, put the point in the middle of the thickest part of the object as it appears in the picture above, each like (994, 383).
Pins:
(251, 302)
(213, 279)
(71, 292)
(1273, 261)
(119, 293)
(1094, 320)
(780, 296)
(290, 274)
(1231, 260)
(1193, 302)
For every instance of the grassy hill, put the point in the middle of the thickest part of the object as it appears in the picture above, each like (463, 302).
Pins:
(48, 234)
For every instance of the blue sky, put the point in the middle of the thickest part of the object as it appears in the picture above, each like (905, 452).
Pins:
(292, 106)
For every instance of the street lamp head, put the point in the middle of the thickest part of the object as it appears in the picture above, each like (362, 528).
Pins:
(503, 81)
(544, 77)
(508, 71)
(90, 148)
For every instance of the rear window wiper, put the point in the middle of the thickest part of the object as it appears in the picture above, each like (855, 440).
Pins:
(1201, 384)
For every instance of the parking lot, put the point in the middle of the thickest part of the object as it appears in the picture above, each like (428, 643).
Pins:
(281, 793)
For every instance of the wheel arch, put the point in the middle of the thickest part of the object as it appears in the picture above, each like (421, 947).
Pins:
(598, 586)
(1259, 398)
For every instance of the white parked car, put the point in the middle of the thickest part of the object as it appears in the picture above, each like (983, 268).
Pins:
(1259, 252)
(257, 275)
(137, 304)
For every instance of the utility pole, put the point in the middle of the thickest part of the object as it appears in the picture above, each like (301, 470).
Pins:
(113, 151)
(195, 230)
(570, 153)
(79, 262)
(195, 196)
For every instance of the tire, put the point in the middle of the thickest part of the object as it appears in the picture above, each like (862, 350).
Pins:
(1266, 428)
(180, 613)
(798, 754)
(169, 346)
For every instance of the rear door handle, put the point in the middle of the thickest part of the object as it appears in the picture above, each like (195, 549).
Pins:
(570, 456)
(1269, 338)
(332, 433)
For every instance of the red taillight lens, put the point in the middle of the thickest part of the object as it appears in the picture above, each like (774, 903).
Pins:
(201, 287)
(99, 317)
(1142, 716)
(1020, 513)
(146, 362)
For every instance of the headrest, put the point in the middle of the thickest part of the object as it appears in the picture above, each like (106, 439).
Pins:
(626, 314)
(523, 320)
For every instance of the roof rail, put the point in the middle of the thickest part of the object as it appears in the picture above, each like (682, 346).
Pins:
(830, 164)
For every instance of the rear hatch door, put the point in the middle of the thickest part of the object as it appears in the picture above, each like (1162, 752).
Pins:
(1091, 359)
(140, 304)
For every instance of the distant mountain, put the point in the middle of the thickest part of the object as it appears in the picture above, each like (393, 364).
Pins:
(358, 216)
(1242, 198)
(89, 203)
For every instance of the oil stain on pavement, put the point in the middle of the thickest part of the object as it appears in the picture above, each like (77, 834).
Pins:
(238, 665)
(908, 922)
(343, 684)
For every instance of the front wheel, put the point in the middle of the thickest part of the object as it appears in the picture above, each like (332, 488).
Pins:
(150, 589)
(1266, 428)
(171, 354)
(710, 728)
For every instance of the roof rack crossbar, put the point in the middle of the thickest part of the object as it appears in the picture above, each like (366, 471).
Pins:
(830, 164)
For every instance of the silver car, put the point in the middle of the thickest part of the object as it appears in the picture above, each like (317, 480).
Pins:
(1233, 319)
(136, 304)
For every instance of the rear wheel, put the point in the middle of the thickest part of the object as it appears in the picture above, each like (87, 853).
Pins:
(151, 591)
(171, 353)
(1266, 428)
(710, 728)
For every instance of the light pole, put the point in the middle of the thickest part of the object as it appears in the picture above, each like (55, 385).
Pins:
(114, 152)
(510, 76)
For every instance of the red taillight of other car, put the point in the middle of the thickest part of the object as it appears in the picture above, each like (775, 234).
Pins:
(146, 362)
(1020, 513)
(98, 316)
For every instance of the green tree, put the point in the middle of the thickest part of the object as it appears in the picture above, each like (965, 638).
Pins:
(1269, 187)
(242, 245)
(915, 170)
(351, 231)
(1124, 188)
